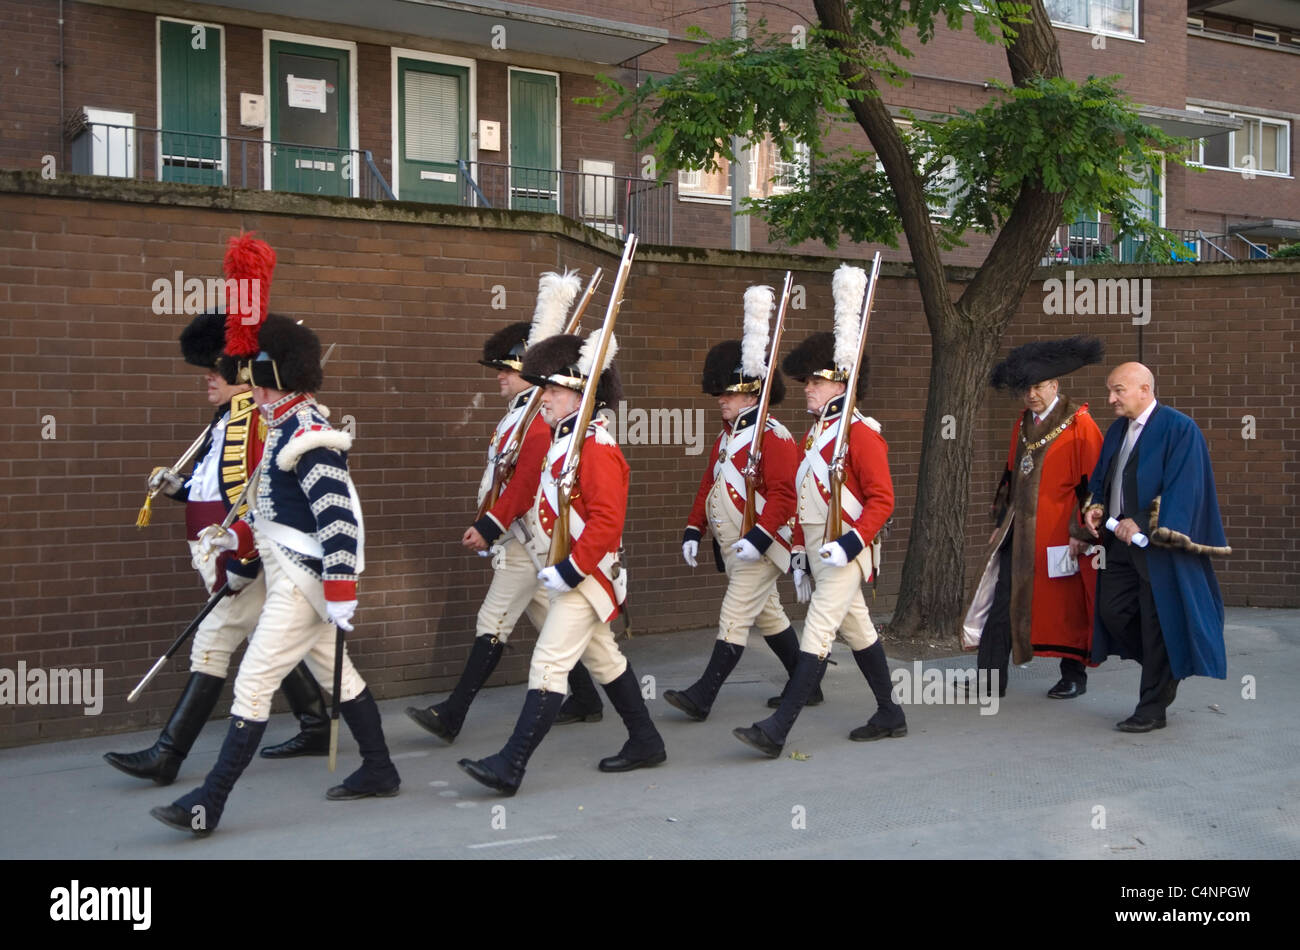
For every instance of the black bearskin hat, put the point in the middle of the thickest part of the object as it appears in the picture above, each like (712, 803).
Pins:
(1045, 359)
(554, 360)
(295, 354)
(505, 348)
(815, 356)
(722, 374)
(203, 344)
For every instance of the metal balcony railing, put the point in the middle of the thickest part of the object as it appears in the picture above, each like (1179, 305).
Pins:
(128, 151)
(614, 204)
(1093, 242)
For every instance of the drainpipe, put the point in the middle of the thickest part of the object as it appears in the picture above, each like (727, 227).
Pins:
(63, 139)
(739, 148)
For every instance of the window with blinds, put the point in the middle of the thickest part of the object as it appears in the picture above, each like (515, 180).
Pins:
(432, 117)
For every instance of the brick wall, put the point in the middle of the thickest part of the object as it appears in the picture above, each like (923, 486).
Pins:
(407, 294)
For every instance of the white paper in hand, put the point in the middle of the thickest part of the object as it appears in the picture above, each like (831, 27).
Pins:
(1060, 562)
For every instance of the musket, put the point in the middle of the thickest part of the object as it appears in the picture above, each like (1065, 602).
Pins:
(835, 518)
(569, 473)
(750, 470)
(504, 462)
(176, 644)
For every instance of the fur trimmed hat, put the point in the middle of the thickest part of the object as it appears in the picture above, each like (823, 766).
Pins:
(723, 373)
(289, 357)
(505, 348)
(1045, 359)
(815, 356)
(558, 360)
(203, 344)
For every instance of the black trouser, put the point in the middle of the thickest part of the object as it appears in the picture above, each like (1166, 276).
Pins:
(995, 642)
(1127, 607)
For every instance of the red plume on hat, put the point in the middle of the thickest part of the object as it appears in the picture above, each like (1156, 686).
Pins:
(252, 260)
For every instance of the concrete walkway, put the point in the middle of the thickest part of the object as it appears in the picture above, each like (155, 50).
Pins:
(1039, 779)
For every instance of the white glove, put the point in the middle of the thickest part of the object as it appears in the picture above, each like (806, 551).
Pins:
(746, 551)
(214, 539)
(834, 554)
(164, 480)
(690, 551)
(341, 612)
(802, 585)
(552, 580)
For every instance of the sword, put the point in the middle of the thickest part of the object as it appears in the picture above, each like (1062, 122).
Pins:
(334, 706)
(176, 644)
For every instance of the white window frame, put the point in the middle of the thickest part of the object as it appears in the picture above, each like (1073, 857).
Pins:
(1196, 23)
(690, 180)
(221, 52)
(802, 163)
(1087, 26)
(1284, 152)
(937, 212)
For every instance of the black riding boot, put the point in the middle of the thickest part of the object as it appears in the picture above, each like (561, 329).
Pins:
(162, 760)
(308, 704)
(644, 746)
(768, 736)
(697, 699)
(786, 647)
(583, 704)
(377, 775)
(888, 720)
(446, 719)
(504, 771)
(200, 811)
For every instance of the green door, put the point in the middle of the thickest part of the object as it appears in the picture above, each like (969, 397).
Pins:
(433, 130)
(190, 64)
(310, 120)
(534, 147)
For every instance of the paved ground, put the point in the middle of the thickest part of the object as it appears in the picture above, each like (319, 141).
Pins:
(1034, 780)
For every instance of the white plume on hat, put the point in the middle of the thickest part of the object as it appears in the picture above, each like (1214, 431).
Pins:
(760, 301)
(848, 286)
(587, 355)
(555, 295)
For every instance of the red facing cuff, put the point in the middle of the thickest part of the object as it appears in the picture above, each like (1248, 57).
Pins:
(247, 547)
(340, 590)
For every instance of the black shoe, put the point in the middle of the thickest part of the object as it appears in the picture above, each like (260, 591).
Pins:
(504, 771)
(644, 746)
(758, 739)
(1136, 724)
(377, 776)
(161, 761)
(1067, 689)
(697, 699)
(446, 718)
(307, 703)
(583, 704)
(888, 721)
(315, 742)
(199, 811)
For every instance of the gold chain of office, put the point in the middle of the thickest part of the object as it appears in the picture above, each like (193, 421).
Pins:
(1027, 460)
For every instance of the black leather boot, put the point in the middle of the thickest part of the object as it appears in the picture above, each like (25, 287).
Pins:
(377, 775)
(644, 746)
(888, 721)
(162, 760)
(446, 718)
(200, 811)
(504, 771)
(786, 647)
(583, 704)
(768, 736)
(697, 699)
(308, 704)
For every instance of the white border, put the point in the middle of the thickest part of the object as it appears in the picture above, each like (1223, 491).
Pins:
(510, 133)
(355, 103)
(471, 64)
(221, 54)
(1289, 174)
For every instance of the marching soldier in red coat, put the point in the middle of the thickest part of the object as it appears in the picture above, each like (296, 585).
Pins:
(734, 371)
(1034, 598)
(841, 557)
(586, 589)
(504, 498)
